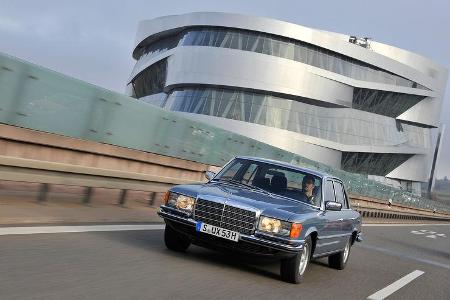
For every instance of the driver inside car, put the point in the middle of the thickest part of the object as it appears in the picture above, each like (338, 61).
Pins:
(308, 190)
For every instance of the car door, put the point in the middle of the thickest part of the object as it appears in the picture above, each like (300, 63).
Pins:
(330, 235)
(345, 213)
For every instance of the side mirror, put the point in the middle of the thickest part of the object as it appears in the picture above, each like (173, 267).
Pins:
(331, 205)
(209, 175)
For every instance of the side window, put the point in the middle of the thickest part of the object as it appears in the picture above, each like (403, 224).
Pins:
(347, 202)
(340, 196)
(329, 191)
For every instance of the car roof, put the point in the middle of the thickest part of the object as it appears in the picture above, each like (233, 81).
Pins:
(288, 165)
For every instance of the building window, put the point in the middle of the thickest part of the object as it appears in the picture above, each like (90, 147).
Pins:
(283, 47)
(151, 81)
(385, 103)
(342, 125)
(372, 163)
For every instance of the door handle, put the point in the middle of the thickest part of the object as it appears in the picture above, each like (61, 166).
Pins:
(341, 219)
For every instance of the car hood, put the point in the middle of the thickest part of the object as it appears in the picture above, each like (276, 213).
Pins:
(235, 195)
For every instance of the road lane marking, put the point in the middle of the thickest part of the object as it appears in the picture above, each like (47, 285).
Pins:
(399, 225)
(429, 234)
(392, 288)
(66, 229)
(401, 255)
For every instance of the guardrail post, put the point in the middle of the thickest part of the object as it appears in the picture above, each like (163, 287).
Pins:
(151, 199)
(43, 192)
(123, 197)
(87, 195)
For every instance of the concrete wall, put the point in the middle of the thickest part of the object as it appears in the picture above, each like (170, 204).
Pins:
(30, 144)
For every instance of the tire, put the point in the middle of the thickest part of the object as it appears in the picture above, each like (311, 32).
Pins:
(293, 269)
(175, 241)
(339, 260)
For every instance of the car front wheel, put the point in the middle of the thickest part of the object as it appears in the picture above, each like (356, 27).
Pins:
(293, 269)
(175, 241)
(339, 260)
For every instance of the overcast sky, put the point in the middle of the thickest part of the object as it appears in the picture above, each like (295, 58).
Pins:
(92, 40)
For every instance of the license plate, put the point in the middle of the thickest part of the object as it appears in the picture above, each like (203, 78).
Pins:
(217, 231)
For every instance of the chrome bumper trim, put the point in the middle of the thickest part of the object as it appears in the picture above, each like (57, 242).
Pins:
(179, 219)
(296, 246)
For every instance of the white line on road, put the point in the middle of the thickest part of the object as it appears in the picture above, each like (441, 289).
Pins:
(392, 288)
(404, 256)
(63, 229)
(396, 225)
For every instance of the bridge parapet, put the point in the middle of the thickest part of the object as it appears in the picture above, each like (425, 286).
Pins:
(123, 134)
(38, 157)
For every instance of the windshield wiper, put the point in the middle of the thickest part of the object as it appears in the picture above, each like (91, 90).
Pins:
(246, 185)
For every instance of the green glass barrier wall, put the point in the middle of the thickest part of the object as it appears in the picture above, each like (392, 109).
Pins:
(37, 98)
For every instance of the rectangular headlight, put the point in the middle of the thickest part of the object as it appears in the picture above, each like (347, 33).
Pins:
(181, 202)
(274, 226)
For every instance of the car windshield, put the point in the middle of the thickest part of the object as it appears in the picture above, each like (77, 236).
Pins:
(282, 181)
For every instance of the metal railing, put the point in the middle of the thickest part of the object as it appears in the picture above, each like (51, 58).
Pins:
(47, 173)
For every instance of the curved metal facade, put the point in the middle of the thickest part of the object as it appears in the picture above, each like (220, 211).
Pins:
(364, 107)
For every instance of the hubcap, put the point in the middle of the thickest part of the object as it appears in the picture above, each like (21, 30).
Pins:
(346, 251)
(303, 260)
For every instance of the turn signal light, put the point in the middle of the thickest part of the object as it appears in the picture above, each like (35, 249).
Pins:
(166, 197)
(296, 229)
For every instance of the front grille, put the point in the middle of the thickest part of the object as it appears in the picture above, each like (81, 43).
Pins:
(225, 216)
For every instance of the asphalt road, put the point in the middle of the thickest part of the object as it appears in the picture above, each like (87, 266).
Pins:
(136, 265)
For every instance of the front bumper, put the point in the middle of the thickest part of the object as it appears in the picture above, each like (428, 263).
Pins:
(274, 245)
